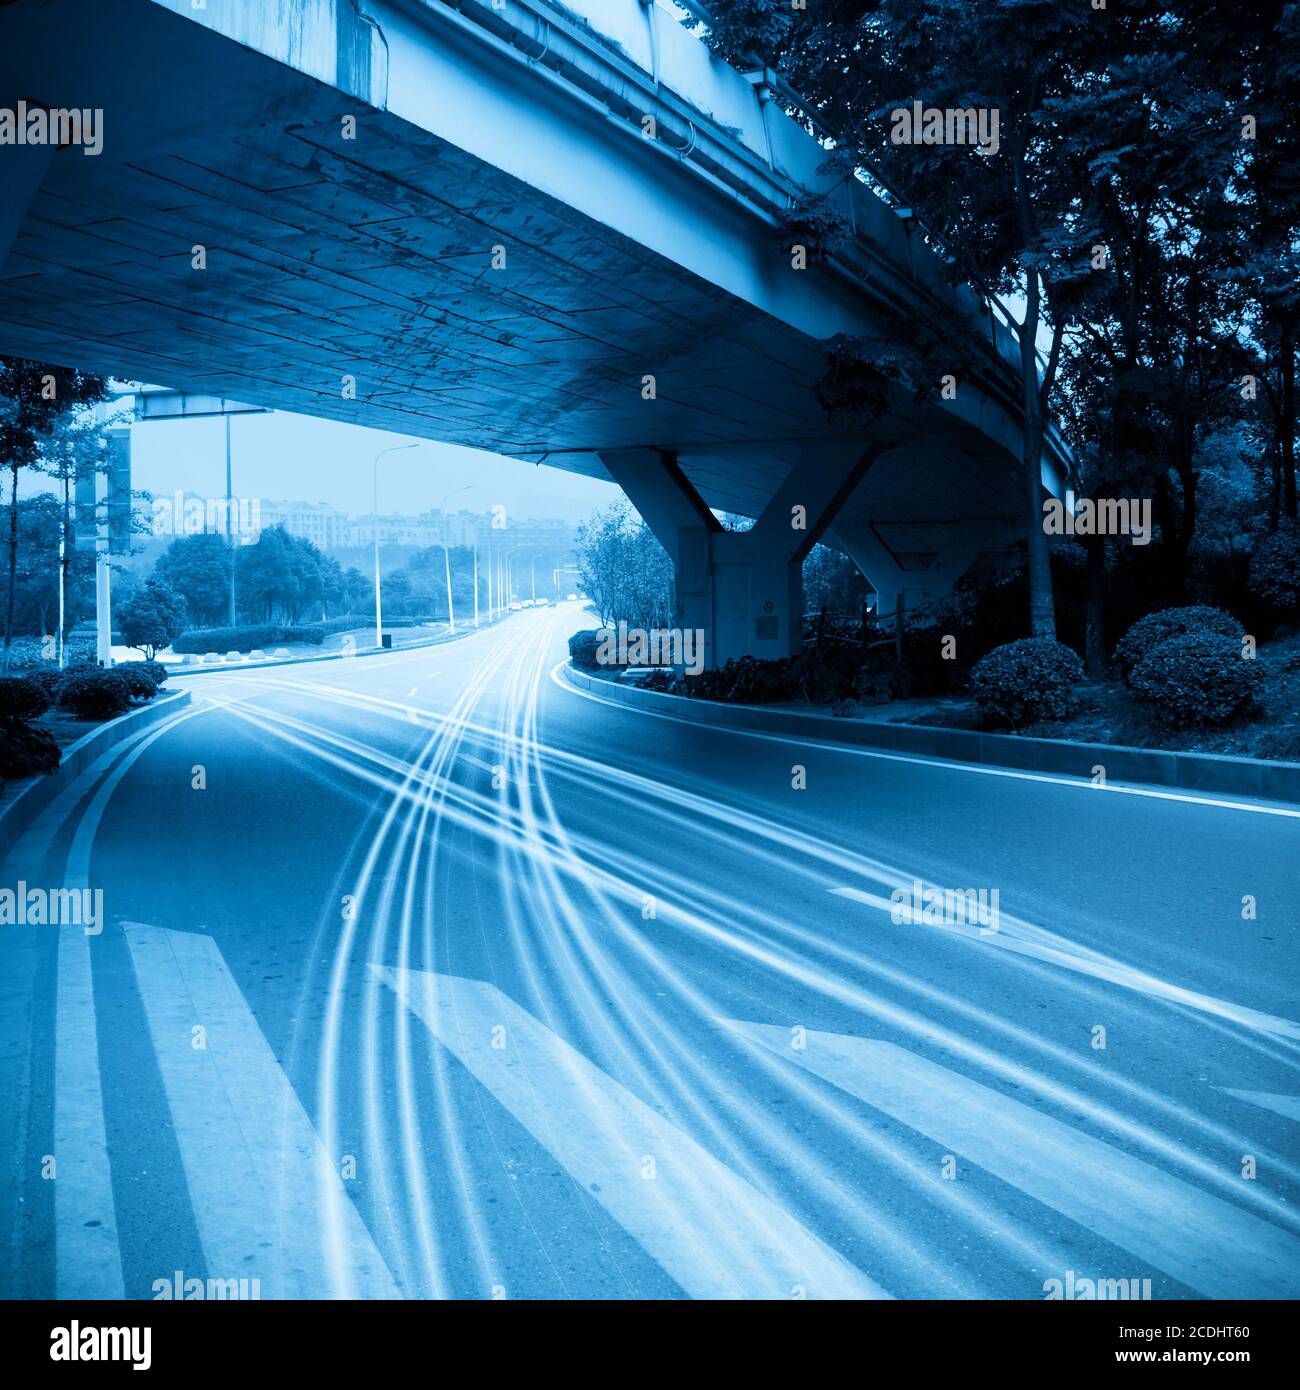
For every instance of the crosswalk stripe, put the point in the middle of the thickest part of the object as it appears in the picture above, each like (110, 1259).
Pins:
(1288, 1106)
(714, 1233)
(268, 1201)
(1099, 967)
(1202, 1241)
(87, 1262)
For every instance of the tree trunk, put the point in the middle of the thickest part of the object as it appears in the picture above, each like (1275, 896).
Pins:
(13, 560)
(1288, 421)
(1042, 610)
(1095, 641)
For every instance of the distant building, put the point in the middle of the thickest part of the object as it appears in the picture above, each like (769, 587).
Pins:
(324, 526)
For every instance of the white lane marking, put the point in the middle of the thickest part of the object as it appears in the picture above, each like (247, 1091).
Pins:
(88, 1262)
(714, 1233)
(1099, 967)
(1202, 1241)
(87, 1259)
(945, 764)
(255, 1166)
(1288, 1106)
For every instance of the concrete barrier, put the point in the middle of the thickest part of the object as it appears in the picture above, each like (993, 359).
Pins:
(21, 808)
(1270, 780)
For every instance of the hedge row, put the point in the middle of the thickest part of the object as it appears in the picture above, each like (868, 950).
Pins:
(245, 639)
(89, 692)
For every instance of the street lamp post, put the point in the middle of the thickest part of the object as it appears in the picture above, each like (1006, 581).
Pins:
(446, 553)
(379, 609)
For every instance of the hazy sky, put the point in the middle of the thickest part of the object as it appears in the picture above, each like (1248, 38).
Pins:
(295, 457)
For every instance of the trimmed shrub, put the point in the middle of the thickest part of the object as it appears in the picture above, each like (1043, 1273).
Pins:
(139, 683)
(1198, 680)
(49, 678)
(154, 669)
(1275, 568)
(1022, 682)
(1148, 633)
(23, 697)
(95, 693)
(582, 649)
(243, 639)
(25, 750)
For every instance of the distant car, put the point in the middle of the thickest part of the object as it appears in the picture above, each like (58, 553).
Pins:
(573, 598)
(516, 606)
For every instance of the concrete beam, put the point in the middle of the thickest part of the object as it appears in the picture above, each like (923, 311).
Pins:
(897, 584)
(22, 168)
(742, 589)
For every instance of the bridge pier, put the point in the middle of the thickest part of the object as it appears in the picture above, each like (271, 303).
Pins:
(897, 584)
(742, 589)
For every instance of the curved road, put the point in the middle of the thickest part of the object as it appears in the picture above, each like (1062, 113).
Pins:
(425, 975)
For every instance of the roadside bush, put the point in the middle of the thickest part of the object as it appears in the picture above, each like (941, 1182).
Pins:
(140, 684)
(23, 697)
(1025, 681)
(243, 639)
(49, 678)
(95, 693)
(582, 649)
(1148, 633)
(1198, 680)
(35, 653)
(25, 750)
(1275, 568)
(155, 670)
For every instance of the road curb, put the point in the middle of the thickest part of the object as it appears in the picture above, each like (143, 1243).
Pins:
(17, 814)
(1202, 772)
(209, 668)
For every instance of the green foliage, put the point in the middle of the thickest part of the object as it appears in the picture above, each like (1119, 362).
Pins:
(1275, 568)
(1148, 633)
(154, 670)
(26, 750)
(23, 697)
(152, 617)
(244, 639)
(95, 693)
(811, 222)
(1026, 681)
(198, 569)
(582, 649)
(624, 570)
(139, 682)
(1198, 679)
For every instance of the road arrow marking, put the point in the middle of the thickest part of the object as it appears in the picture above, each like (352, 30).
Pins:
(1200, 1240)
(1054, 950)
(268, 1201)
(714, 1233)
(1288, 1106)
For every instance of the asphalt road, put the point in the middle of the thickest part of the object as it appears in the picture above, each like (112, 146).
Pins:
(424, 975)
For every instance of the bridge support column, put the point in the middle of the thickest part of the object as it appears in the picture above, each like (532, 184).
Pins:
(896, 586)
(22, 167)
(683, 525)
(743, 588)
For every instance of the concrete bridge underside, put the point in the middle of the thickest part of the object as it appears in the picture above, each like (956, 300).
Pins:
(493, 263)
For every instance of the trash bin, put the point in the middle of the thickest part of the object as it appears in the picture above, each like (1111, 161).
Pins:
(386, 641)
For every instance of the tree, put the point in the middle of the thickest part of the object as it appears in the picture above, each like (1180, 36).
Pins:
(32, 397)
(75, 447)
(198, 569)
(624, 570)
(152, 617)
(1006, 221)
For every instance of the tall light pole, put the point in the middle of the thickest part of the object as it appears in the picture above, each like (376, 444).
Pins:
(379, 611)
(230, 524)
(446, 553)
